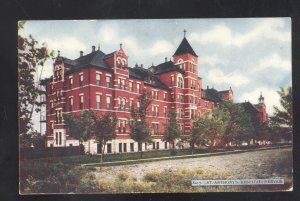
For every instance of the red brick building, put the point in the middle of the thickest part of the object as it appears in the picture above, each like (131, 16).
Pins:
(105, 83)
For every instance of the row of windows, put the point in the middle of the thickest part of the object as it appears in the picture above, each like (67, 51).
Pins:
(192, 68)
(123, 146)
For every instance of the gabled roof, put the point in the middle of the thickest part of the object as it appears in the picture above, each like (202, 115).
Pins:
(95, 59)
(248, 107)
(166, 67)
(142, 74)
(211, 94)
(185, 47)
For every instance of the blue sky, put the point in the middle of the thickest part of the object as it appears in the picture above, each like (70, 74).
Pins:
(251, 55)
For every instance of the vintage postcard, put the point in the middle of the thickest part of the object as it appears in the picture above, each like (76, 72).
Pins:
(155, 106)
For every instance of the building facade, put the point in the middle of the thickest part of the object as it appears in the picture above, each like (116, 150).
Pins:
(106, 84)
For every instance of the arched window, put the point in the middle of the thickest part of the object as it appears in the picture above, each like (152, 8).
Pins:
(179, 81)
(123, 63)
(119, 62)
(181, 64)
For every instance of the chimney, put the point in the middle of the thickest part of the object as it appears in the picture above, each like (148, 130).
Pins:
(93, 48)
(207, 87)
(58, 53)
(166, 59)
(81, 53)
(141, 65)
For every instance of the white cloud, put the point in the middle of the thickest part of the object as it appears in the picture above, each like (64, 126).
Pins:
(218, 34)
(222, 34)
(109, 33)
(235, 78)
(211, 60)
(68, 46)
(273, 61)
(271, 97)
(160, 47)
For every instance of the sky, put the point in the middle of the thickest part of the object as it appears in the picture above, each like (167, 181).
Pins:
(250, 55)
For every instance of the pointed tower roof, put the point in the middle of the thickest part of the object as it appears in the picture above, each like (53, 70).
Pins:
(185, 47)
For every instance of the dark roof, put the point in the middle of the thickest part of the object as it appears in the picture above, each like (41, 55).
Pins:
(109, 55)
(95, 59)
(211, 94)
(185, 47)
(248, 107)
(166, 67)
(142, 74)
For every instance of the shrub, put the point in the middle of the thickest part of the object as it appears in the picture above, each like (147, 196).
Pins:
(123, 176)
(88, 183)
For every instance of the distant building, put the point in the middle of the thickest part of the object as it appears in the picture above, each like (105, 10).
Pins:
(105, 83)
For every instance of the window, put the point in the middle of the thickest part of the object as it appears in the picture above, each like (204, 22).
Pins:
(56, 137)
(131, 105)
(180, 113)
(108, 147)
(180, 82)
(124, 147)
(138, 105)
(172, 81)
(123, 64)
(71, 103)
(108, 82)
(153, 145)
(98, 101)
(154, 128)
(122, 104)
(130, 86)
(146, 146)
(132, 147)
(81, 102)
(108, 102)
(166, 145)
(98, 79)
(59, 140)
(121, 83)
(137, 88)
(157, 145)
(120, 147)
(155, 95)
(165, 112)
(122, 126)
(192, 114)
(71, 83)
(58, 116)
(165, 96)
(81, 80)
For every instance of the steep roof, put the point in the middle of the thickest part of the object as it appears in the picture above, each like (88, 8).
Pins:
(166, 67)
(185, 47)
(211, 94)
(142, 73)
(95, 59)
(249, 107)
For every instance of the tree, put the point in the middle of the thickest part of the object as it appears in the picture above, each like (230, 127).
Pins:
(245, 132)
(104, 129)
(30, 56)
(283, 116)
(172, 129)
(209, 128)
(139, 127)
(80, 126)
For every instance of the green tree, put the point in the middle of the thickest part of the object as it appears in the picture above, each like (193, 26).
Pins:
(209, 129)
(139, 127)
(80, 125)
(104, 129)
(283, 117)
(30, 56)
(172, 129)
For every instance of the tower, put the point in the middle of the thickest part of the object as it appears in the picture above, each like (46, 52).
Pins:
(186, 59)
